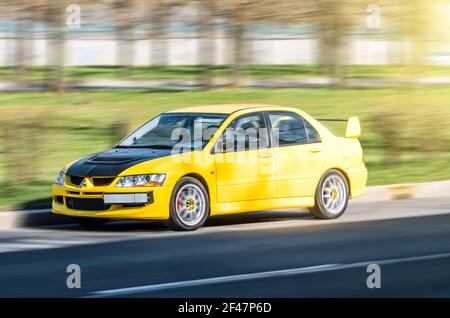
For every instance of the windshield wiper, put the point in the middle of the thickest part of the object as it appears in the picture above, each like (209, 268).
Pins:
(146, 146)
(159, 146)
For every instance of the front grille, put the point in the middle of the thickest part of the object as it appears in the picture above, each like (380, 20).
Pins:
(102, 182)
(86, 204)
(76, 180)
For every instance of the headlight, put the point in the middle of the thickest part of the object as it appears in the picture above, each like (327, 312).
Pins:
(60, 178)
(142, 180)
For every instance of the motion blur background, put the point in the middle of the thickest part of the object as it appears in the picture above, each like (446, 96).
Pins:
(77, 76)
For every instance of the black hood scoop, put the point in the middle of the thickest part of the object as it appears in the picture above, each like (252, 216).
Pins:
(112, 162)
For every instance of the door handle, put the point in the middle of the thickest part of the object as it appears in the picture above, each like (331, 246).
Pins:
(315, 150)
(265, 155)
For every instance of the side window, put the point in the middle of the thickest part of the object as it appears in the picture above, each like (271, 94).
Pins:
(248, 132)
(290, 128)
(313, 136)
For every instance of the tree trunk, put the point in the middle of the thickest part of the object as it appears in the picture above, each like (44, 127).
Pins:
(158, 46)
(340, 60)
(59, 60)
(324, 47)
(206, 47)
(332, 47)
(413, 26)
(56, 17)
(416, 31)
(124, 37)
(236, 67)
(21, 50)
(125, 50)
(57, 51)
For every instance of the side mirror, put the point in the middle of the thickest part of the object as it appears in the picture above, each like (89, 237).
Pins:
(353, 128)
(222, 146)
(228, 147)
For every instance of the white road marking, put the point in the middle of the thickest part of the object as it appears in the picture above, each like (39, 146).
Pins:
(29, 242)
(212, 280)
(13, 247)
(258, 275)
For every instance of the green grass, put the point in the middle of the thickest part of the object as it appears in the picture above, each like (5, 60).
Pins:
(82, 73)
(77, 124)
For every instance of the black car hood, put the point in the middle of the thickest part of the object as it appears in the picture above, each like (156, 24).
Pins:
(112, 162)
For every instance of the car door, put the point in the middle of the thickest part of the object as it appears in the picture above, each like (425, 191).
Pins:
(298, 153)
(245, 169)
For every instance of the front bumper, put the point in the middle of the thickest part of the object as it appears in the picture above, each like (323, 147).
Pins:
(90, 202)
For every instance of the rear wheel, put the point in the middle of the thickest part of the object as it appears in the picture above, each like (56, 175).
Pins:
(331, 199)
(189, 205)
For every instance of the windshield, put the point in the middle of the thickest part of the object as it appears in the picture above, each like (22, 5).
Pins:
(181, 130)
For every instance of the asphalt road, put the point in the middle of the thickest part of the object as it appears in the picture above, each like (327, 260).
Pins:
(265, 254)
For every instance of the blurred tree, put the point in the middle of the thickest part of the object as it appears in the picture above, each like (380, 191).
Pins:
(413, 20)
(125, 20)
(409, 22)
(118, 130)
(331, 26)
(333, 21)
(128, 14)
(387, 124)
(23, 137)
(206, 50)
(241, 14)
(158, 12)
(22, 13)
(54, 13)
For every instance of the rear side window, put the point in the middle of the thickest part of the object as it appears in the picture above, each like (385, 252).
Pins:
(313, 136)
(290, 129)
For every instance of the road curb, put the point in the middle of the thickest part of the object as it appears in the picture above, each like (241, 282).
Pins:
(43, 217)
(406, 191)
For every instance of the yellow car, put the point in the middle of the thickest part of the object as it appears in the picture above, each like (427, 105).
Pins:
(184, 165)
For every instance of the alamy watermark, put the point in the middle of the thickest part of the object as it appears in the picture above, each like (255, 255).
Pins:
(373, 20)
(233, 146)
(374, 279)
(73, 20)
(74, 278)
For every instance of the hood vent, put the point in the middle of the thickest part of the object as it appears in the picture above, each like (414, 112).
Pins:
(76, 180)
(112, 159)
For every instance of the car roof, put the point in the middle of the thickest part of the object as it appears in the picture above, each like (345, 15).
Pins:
(223, 109)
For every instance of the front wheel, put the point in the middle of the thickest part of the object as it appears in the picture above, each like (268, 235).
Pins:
(189, 205)
(331, 197)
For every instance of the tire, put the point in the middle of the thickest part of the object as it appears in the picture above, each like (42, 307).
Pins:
(189, 205)
(332, 195)
(89, 222)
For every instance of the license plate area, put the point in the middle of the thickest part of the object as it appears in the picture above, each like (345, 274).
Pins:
(126, 198)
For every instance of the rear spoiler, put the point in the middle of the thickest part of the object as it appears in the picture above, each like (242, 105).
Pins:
(353, 129)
